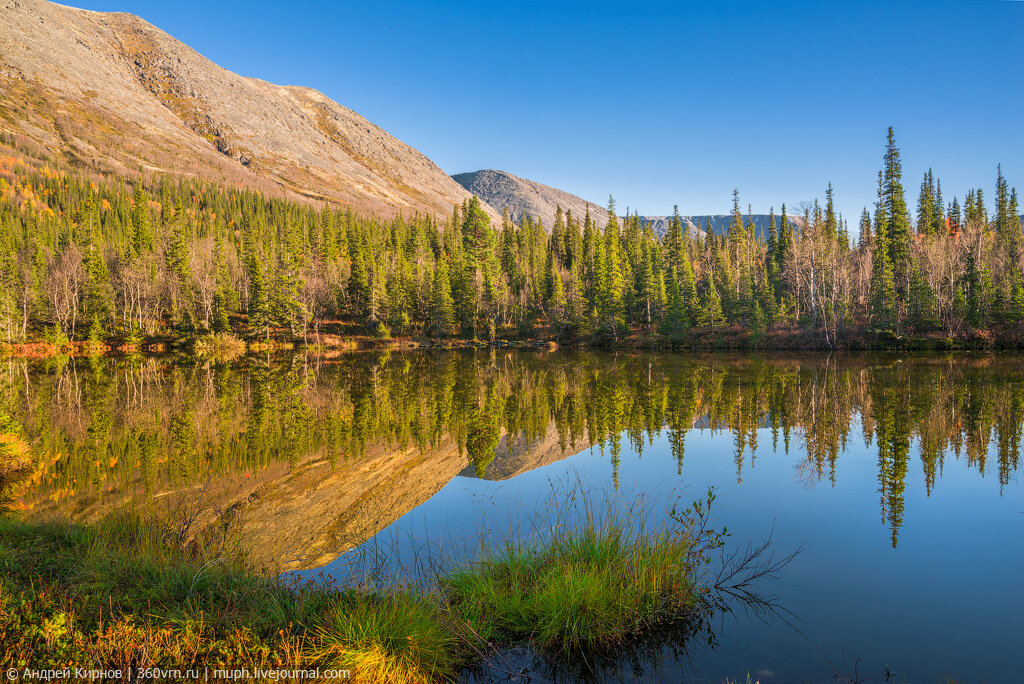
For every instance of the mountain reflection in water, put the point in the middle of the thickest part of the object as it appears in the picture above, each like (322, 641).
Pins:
(899, 476)
(319, 455)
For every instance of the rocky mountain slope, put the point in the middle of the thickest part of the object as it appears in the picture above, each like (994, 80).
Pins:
(521, 196)
(111, 92)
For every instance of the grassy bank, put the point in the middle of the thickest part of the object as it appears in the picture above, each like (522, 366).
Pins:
(128, 592)
(727, 337)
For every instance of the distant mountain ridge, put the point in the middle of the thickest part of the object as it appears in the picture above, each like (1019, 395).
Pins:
(720, 223)
(112, 93)
(522, 196)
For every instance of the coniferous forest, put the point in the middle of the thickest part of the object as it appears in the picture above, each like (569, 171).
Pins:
(127, 260)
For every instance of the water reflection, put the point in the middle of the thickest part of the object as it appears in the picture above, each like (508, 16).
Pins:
(321, 454)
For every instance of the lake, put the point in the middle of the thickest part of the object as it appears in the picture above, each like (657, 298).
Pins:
(896, 476)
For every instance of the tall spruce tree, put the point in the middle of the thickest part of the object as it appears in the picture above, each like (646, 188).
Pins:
(442, 306)
(897, 230)
(883, 291)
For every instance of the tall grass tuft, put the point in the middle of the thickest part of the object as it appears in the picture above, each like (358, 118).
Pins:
(400, 637)
(593, 582)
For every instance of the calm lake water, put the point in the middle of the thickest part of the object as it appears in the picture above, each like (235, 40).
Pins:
(898, 476)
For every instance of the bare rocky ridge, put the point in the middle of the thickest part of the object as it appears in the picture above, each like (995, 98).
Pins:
(522, 197)
(112, 92)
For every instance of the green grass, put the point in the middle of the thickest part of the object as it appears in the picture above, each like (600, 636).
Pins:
(594, 588)
(123, 587)
(404, 636)
(127, 592)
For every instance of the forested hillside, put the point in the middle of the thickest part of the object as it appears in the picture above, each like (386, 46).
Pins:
(96, 259)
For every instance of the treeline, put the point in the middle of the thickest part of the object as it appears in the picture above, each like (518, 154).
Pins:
(104, 427)
(90, 260)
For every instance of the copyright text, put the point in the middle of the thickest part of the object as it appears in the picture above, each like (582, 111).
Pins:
(143, 674)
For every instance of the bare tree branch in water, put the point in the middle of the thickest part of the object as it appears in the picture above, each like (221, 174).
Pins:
(848, 675)
(744, 568)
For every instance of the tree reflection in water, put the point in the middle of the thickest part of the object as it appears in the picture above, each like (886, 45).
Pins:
(106, 431)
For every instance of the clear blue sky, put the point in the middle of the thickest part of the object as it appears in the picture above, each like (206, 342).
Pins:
(656, 103)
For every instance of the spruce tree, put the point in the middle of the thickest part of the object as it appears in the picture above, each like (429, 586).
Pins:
(610, 305)
(976, 282)
(259, 298)
(926, 205)
(1007, 223)
(142, 240)
(954, 218)
(558, 236)
(442, 305)
(831, 223)
(556, 299)
(674, 241)
(897, 230)
(1016, 312)
(691, 299)
(864, 238)
(712, 310)
(576, 306)
(222, 294)
(883, 291)
(675, 316)
(938, 214)
(771, 252)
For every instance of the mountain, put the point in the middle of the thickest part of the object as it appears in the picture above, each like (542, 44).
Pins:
(523, 196)
(719, 223)
(112, 93)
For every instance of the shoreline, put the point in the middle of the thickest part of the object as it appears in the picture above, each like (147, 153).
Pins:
(732, 338)
(136, 593)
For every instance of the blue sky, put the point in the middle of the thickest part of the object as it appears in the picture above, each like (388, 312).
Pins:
(656, 103)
